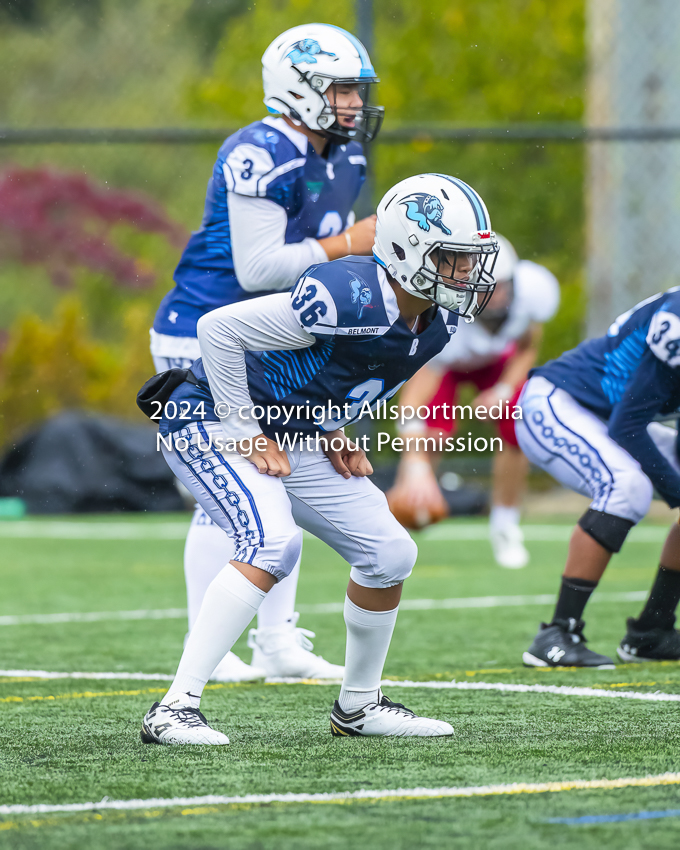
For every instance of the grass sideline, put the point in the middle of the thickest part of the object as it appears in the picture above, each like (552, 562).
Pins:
(60, 751)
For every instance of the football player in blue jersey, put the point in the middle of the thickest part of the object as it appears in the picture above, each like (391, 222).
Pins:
(279, 200)
(591, 419)
(278, 380)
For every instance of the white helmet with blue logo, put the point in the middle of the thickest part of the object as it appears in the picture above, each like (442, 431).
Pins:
(434, 237)
(299, 70)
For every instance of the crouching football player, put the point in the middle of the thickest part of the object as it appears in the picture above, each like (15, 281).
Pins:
(589, 420)
(351, 332)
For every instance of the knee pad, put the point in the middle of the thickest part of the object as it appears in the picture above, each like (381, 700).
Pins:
(396, 559)
(606, 529)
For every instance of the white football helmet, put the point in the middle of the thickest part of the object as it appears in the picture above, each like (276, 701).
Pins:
(433, 236)
(298, 70)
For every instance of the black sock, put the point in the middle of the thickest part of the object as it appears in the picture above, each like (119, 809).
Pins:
(574, 594)
(659, 610)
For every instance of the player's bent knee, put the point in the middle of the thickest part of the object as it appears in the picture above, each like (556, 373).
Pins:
(278, 555)
(396, 559)
(608, 530)
(291, 549)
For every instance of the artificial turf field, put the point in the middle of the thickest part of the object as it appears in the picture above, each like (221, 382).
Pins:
(69, 741)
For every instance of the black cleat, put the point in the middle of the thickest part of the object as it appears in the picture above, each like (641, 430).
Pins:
(562, 644)
(649, 645)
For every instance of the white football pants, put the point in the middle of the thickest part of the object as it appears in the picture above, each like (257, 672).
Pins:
(208, 549)
(572, 444)
(263, 515)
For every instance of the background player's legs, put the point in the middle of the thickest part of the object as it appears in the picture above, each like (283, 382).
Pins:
(652, 636)
(510, 468)
(207, 551)
(509, 479)
(280, 648)
(573, 445)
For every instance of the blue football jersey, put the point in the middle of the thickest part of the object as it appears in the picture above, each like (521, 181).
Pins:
(628, 378)
(598, 371)
(363, 352)
(259, 161)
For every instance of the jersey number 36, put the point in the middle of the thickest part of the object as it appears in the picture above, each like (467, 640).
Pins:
(310, 315)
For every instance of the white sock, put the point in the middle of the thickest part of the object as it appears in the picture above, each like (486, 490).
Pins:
(230, 604)
(206, 552)
(279, 604)
(368, 638)
(501, 516)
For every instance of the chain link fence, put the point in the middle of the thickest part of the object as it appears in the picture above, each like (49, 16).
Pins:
(633, 185)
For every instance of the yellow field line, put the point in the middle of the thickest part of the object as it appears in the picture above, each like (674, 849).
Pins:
(209, 804)
(93, 694)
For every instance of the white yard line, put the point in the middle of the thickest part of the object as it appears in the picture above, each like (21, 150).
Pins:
(94, 616)
(59, 530)
(338, 797)
(321, 608)
(503, 687)
(62, 530)
(557, 690)
(46, 674)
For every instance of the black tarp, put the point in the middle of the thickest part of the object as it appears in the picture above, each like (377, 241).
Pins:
(77, 463)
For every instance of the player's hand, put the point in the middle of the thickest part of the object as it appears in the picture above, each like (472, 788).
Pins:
(488, 398)
(270, 460)
(415, 499)
(349, 459)
(418, 484)
(362, 235)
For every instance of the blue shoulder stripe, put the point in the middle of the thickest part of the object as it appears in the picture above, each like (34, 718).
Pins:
(366, 66)
(473, 198)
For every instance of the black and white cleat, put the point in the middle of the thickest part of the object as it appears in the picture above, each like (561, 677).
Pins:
(385, 718)
(178, 723)
(562, 644)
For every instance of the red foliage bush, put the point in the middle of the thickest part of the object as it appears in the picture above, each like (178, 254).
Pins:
(65, 220)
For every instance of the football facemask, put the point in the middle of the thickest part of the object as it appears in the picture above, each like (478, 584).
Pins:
(457, 278)
(347, 115)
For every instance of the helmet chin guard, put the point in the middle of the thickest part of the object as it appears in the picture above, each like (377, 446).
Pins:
(434, 237)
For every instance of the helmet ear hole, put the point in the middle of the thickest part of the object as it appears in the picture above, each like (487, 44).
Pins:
(399, 251)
